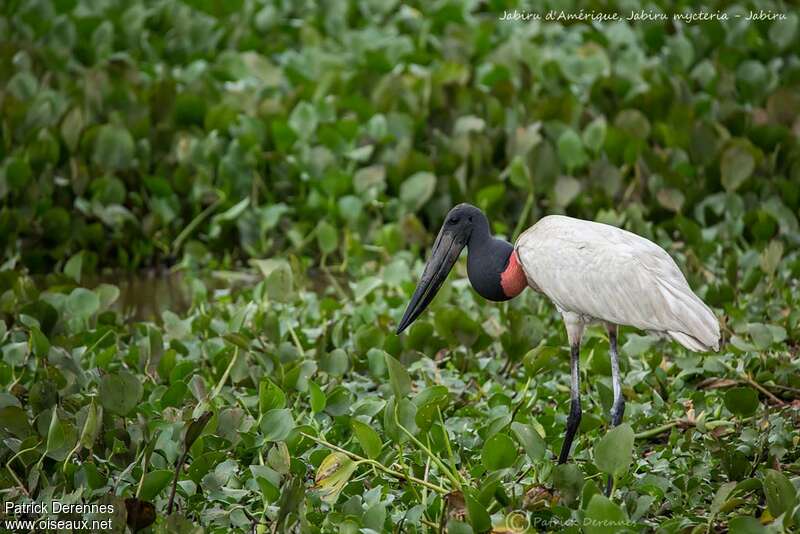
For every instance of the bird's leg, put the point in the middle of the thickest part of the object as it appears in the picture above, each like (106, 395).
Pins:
(618, 407)
(574, 419)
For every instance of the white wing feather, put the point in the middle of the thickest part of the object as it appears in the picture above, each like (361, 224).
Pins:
(605, 273)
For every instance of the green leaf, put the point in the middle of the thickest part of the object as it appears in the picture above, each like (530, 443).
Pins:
(15, 353)
(113, 148)
(367, 438)
(270, 396)
(539, 358)
(568, 480)
(277, 424)
(303, 120)
(398, 376)
(721, 496)
(74, 266)
(279, 458)
(196, 428)
(39, 343)
(530, 440)
(745, 525)
(736, 166)
(779, 491)
(336, 363)
(771, 257)
(416, 190)
(783, 31)
(91, 425)
(604, 517)
(278, 278)
(741, 401)
(478, 516)
(570, 150)
(595, 134)
(499, 452)
(317, 397)
(327, 238)
(82, 303)
(120, 393)
(332, 476)
(566, 190)
(154, 483)
(614, 452)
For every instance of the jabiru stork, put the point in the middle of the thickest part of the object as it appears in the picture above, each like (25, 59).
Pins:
(592, 272)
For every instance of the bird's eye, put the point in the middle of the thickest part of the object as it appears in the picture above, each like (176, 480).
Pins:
(452, 221)
(470, 218)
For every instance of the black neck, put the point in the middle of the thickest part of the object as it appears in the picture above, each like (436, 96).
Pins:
(487, 258)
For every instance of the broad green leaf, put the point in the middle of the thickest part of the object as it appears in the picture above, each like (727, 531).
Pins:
(303, 120)
(570, 150)
(745, 525)
(540, 358)
(398, 377)
(276, 424)
(270, 396)
(721, 496)
(279, 458)
(332, 476)
(478, 515)
(499, 452)
(326, 237)
(530, 440)
(416, 190)
(82, 303)
(736, 166)
(604, 517)
(317, 397)
(367, 438)
(74, 266)
(780, 492)
(15, 353)
(195, 429)
(91, 425)
(120, 393)
(113, 148)
(568, 480)
(154, 483)
(741, 401)
(614, 452)
(595, 134)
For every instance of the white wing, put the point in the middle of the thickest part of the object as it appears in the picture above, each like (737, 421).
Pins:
(610, 274)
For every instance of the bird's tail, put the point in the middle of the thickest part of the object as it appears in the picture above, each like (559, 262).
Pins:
(701, 328)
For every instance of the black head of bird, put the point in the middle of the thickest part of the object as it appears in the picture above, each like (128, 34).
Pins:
(491, 265)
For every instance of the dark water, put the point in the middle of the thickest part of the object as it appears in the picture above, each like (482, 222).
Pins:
(143, 295)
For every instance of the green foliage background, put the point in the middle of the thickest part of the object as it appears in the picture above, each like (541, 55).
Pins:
(293, 161)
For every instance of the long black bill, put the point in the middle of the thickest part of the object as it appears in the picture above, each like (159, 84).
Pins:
(445, 252)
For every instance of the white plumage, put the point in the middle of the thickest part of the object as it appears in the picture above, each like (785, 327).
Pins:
(597, 272)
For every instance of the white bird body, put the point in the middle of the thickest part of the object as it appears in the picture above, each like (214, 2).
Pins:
(597, 272)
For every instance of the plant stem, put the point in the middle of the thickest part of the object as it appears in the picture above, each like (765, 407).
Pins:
(176, 245)
(172, 491)
(377, 465)
(763, 390)
(225, 375)
(657, 430)
(523, 217)
(436, 460)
